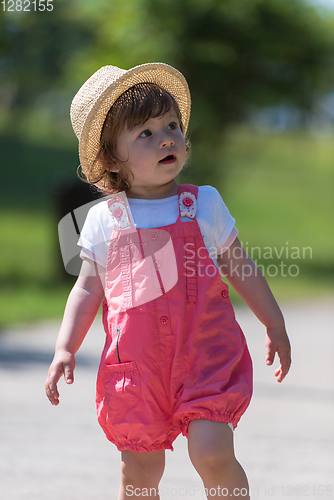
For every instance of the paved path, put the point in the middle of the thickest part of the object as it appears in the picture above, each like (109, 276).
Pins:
(285, 441)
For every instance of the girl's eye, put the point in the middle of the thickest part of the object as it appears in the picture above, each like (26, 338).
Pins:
(173, 126)
(146, 133)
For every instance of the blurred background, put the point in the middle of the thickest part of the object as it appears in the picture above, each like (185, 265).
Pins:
(261, 75)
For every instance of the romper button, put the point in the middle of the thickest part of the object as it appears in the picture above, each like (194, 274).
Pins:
(159, 291)
(154, 236)
(187, 202)
(175, 428)
(164, 320)
(157, 263)
(225, 293)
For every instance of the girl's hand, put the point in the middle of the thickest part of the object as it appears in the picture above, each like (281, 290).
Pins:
(63, 364)
(277, 341)
(82, 305)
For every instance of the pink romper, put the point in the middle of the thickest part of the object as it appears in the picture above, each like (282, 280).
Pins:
(174, 351)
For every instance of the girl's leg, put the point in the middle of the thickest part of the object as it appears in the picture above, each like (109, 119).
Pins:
(211, 451)
(141, 473)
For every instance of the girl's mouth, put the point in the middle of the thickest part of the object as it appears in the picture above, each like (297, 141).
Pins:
(168, 159)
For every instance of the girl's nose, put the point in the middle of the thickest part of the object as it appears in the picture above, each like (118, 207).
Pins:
(167, 143)
(166, 140)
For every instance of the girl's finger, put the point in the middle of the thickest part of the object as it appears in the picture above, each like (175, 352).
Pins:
(283, 370)
(52, 393)
(285, 366)
(68, 373)
(270, 354)
(285, 359)
(69, 377)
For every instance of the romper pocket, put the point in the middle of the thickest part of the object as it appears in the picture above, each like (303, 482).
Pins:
(122, 386)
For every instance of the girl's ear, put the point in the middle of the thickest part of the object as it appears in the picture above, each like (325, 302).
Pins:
(108, 164)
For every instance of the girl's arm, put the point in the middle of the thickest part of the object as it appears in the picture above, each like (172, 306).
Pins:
(81, 308)
(248, 281)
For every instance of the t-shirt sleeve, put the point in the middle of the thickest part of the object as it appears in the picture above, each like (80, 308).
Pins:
(94, 237)
(217, 220)
(228, 242)
(224, 222)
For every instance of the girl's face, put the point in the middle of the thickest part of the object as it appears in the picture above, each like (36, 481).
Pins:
(155, 153)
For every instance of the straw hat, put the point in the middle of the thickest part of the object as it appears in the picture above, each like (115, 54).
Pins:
(91, 104)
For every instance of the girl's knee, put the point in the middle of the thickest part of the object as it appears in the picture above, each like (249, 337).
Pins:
(210, 445)
(142, 468)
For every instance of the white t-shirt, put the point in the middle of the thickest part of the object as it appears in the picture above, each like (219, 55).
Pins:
(215, 222)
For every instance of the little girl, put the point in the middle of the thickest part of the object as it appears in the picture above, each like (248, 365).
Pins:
(175, 359)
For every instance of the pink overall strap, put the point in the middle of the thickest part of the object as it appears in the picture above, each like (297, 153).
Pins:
(188, 208)
(120, 211)
(123, 221)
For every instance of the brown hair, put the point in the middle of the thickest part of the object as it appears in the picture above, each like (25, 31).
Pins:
(134, 107)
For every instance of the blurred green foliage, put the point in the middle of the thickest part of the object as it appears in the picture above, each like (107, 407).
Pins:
(278, 188)
(237, 55)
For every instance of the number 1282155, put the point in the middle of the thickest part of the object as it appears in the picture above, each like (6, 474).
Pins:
(26, 5)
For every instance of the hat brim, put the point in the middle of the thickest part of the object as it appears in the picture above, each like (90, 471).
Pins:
(159, 73)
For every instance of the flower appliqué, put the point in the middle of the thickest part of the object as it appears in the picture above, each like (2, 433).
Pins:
(120, 215)
(188, 205)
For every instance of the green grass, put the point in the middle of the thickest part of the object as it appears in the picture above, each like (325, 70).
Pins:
(31, 302)
(31, 280)
(279, 188)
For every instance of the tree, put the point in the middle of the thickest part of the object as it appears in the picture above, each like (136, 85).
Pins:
(235, 54)
(239, 54)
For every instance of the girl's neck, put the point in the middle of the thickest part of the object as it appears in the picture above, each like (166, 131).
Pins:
(154, 192)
